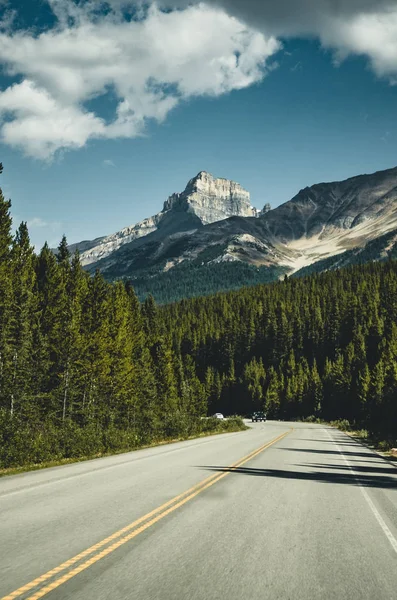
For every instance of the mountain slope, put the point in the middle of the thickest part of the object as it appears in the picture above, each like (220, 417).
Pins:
(330, 218)
(381, 248)
(324, 208)
(212, 222)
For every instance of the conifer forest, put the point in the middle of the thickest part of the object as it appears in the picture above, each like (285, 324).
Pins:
(85, 368)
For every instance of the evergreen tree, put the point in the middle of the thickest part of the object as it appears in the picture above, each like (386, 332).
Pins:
(23, 321)
(272, 394)
(63, 255)
(6, 353)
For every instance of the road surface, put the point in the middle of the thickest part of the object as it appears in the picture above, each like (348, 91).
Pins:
(284, 511)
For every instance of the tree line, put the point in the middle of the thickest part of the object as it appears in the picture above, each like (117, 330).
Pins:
(197, 278)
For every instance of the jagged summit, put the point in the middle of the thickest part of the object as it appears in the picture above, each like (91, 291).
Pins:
(212, 199)
(206, 199)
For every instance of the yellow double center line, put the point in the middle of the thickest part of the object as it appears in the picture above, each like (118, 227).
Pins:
(145, 522)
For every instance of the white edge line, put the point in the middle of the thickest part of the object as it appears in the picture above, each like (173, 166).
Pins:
(372, 506)
(385, 457)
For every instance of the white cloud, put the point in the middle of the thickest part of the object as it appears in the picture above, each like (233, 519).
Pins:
(358, 27)
(151, 65)
(372, 34)
(7, 18)
(108, 163)
(40, 124)
(161, 58)
(39, 223)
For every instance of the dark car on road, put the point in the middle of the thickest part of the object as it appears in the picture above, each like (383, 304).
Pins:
(258, 416)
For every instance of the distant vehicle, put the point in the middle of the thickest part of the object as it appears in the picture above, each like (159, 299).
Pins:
(218, 416)
(258, 416)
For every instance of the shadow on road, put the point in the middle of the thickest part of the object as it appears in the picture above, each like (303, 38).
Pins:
(337, 453)
(364, 479)
(341, 441)
(357, 470)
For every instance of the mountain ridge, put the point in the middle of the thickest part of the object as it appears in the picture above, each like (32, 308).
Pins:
(205, 200)
(213, 222)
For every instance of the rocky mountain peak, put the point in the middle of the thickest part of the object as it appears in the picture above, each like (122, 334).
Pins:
(206, 199)
(212, 199)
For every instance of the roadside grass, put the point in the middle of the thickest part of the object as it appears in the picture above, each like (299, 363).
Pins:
(380, 446)
(363, 436)
(210, 428)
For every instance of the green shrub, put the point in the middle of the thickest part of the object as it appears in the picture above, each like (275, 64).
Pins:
(342, 424)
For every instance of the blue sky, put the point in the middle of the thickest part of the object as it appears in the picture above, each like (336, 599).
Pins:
(287, 117)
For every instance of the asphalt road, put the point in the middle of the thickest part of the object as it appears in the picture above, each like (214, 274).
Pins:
(311, 516)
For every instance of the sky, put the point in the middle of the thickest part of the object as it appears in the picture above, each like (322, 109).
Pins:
(107, 108)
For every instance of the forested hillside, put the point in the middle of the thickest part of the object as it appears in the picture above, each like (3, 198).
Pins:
(324, 345)
(202, 279)
(85, 368)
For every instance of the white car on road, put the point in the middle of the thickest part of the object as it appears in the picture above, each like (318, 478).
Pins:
(219, 416)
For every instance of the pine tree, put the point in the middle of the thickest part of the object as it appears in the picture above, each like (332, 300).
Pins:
(167, 401)
(376, 396)
(6, 354)
(253, 383)
(150, 318)
(363, 390)
(55, 315)
(77, 284)
(96, 360)
(272, 395)
(63, 255)
(120, 388)
(315, 392)
(23, 322)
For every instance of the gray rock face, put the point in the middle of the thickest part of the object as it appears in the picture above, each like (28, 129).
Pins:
(205, 200)
(212, 199)
(265, 209)
(323, 208)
